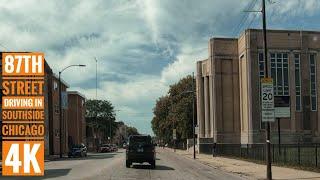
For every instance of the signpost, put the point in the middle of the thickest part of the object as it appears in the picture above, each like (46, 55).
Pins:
(282, 110)
(174, 137)
(196, 129)
(267, 100)
(174, 134)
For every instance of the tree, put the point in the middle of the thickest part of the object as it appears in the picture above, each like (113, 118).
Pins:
(175, 111)
(100, 116)
(132, 131)
(123, 132)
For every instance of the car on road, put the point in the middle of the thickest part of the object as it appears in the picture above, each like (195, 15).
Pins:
(78, 150)
(114, 148)
(105, 148)
(140, 149)
(124, 146)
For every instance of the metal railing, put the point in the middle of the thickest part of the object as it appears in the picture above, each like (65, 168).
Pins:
(289, 154)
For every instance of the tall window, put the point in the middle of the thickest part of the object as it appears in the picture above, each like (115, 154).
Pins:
(280, 73)
(313, 88)
(297, 81)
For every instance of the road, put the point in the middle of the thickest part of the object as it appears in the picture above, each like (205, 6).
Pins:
(111, 166)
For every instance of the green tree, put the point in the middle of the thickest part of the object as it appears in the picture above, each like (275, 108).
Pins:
(175, 111)
(100, 115)
(132, 131)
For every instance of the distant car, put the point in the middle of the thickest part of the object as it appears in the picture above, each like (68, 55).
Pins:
(140, 149)
(105, 148)
(114, 147)
(78, 150)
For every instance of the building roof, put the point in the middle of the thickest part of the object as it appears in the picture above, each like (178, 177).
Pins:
(76, 93)
(62, 81)
(284, 30)
(223, 38)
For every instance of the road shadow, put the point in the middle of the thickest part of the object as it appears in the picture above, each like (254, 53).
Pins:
(147, 166)
(89, 157)
(50, 173)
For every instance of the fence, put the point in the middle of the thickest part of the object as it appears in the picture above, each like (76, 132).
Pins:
(289, 154)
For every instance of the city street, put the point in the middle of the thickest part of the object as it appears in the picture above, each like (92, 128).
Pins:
(111, 166)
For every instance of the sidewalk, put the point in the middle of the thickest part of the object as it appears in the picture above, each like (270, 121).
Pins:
(249, 170)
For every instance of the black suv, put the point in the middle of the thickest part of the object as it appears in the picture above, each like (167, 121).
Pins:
(140, 149)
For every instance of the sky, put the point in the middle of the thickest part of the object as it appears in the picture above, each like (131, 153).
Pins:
(142, 46)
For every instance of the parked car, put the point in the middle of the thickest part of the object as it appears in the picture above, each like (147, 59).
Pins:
(124, 146)
(114, 148)
(78, 150)
(105, 148)
(140, 149)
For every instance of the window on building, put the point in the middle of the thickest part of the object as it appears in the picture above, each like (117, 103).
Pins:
(55, 85)
(313, 88)
(280, 73)
(297, 81)
(56, 109)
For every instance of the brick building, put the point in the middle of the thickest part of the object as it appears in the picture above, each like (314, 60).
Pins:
(54, 121)
(228, 87)
(76, 118)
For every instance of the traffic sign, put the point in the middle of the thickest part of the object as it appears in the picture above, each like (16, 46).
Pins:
(267, 100)
(282, 106)
(196, 130)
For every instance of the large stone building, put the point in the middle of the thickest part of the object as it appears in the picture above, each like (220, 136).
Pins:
(228, 87)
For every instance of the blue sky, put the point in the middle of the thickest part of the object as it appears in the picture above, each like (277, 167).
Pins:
(142, 46)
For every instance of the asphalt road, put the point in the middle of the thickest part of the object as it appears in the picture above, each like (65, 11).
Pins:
(112, 166)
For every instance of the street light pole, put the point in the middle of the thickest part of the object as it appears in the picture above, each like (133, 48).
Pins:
(60, 115)
(60, 105)
(96, 77)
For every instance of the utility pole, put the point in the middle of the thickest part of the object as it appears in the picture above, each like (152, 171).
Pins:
(266, 74)
(96, 115)
(193, 125)
(96, 77)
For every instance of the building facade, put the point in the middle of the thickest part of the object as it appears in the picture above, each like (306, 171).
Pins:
(54, 118)
(228, 87)
(76, 118)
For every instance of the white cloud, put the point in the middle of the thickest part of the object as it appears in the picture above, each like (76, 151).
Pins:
(142, 46)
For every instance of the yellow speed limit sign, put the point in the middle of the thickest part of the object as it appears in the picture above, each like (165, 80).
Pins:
(267, 100)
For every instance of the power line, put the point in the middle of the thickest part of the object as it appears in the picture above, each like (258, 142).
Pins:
(252, 20)
(252, 4)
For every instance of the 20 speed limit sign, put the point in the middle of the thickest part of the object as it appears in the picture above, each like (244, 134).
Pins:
(267, 100)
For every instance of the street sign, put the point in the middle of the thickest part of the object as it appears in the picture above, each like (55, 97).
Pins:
(282, 106)
(282, 112)
(196, 130)
(267, 100)
(174, 134)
